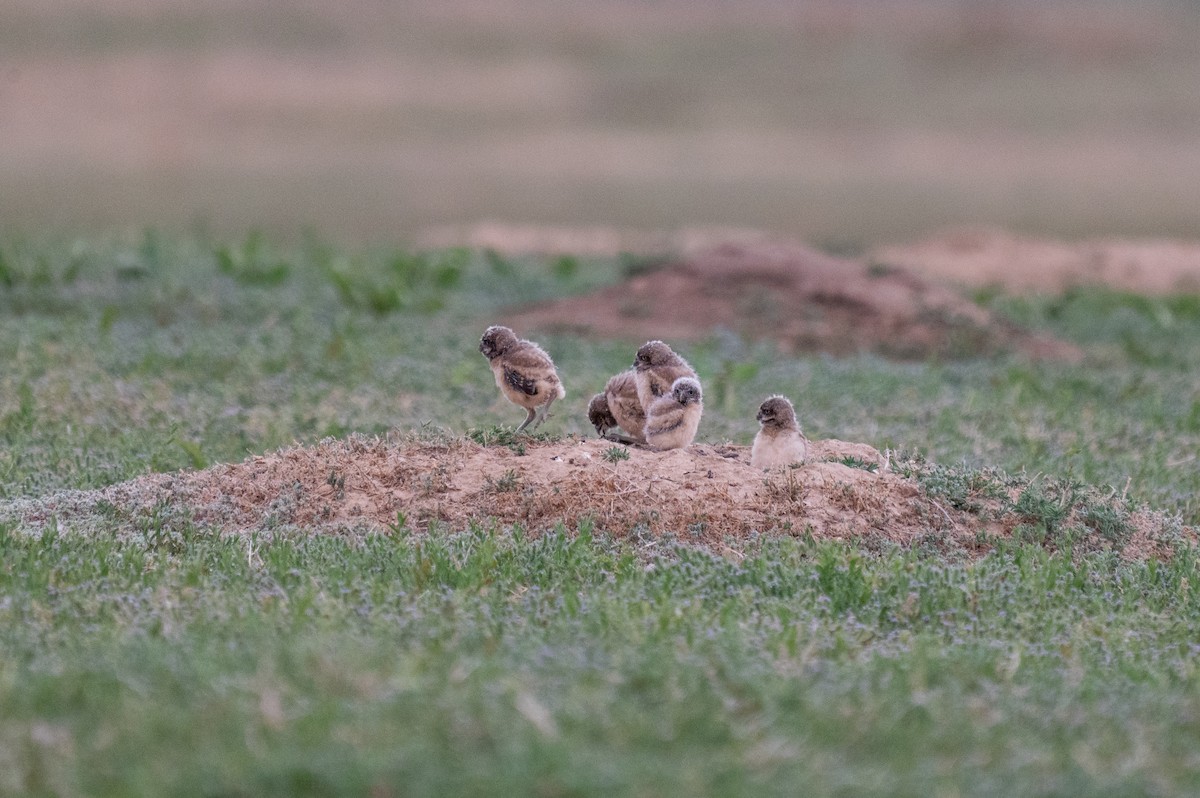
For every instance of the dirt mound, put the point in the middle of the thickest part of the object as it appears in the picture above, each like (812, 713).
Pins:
(705, 494)
(801, 298)
(987, 256)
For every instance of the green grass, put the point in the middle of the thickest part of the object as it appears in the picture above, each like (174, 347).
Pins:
(488, 663)
(152, 657)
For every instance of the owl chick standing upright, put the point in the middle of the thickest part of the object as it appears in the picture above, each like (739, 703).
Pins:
(525, 374)
(672, 420)
(657, 368)
(618, 406)
(779, 440)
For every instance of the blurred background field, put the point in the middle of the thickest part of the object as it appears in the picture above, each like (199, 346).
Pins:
(849, 124)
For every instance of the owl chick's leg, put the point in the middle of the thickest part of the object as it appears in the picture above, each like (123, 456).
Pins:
(543, 412)
(531, 413)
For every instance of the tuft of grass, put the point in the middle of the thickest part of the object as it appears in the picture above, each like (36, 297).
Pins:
(507, 436)
(404, 281)
(1110, 522)
(507, 483)
(400, 526)
(615, 454)
(1046, 505)
(857, 462)
(250, 264)
(1043, 510)
(786, 488)
(22, 267)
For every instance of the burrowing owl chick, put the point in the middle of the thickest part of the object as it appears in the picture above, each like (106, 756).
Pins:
(618, 406)
(524, 373)
(779, 440)
(657, 367)
(673, 419)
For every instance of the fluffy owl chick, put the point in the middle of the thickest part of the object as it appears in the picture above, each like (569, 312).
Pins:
(779, 440)
(672, 419)
(657, 367)
(524, 373)
(618, 406)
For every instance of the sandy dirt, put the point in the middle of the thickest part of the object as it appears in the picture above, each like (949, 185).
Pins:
(709, 495)
(802, 299)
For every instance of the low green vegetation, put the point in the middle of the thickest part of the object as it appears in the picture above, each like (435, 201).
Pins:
(487, 662)
(170, 661)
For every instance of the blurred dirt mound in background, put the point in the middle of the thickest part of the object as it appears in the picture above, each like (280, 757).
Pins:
(802, 299)
(597, 241)
(984, 256)
(708, 495)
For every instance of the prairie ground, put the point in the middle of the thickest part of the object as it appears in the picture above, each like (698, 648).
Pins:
(265, 528)
(193, 605)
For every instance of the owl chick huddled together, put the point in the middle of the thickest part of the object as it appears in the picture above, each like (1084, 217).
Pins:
(618, 407)
(779, 440)
(673, 418)
(657, 401)
(657, 367)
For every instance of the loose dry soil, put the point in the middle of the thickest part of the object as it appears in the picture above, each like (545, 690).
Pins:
(709, 495)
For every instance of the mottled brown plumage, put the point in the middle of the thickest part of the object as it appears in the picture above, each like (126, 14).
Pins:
(673, 419)
(779, 440)
(657, 367)
(524, 373)
(618, 406)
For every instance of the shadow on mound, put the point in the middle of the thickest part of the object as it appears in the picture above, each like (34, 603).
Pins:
(802, 299)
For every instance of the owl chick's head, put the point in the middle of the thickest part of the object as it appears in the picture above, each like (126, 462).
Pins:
(654, 353)
(686, 391)
(776, 411)
(496, 341)
(600, 415)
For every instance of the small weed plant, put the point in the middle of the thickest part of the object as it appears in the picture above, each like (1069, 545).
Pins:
(508, 482)
(615, 454)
